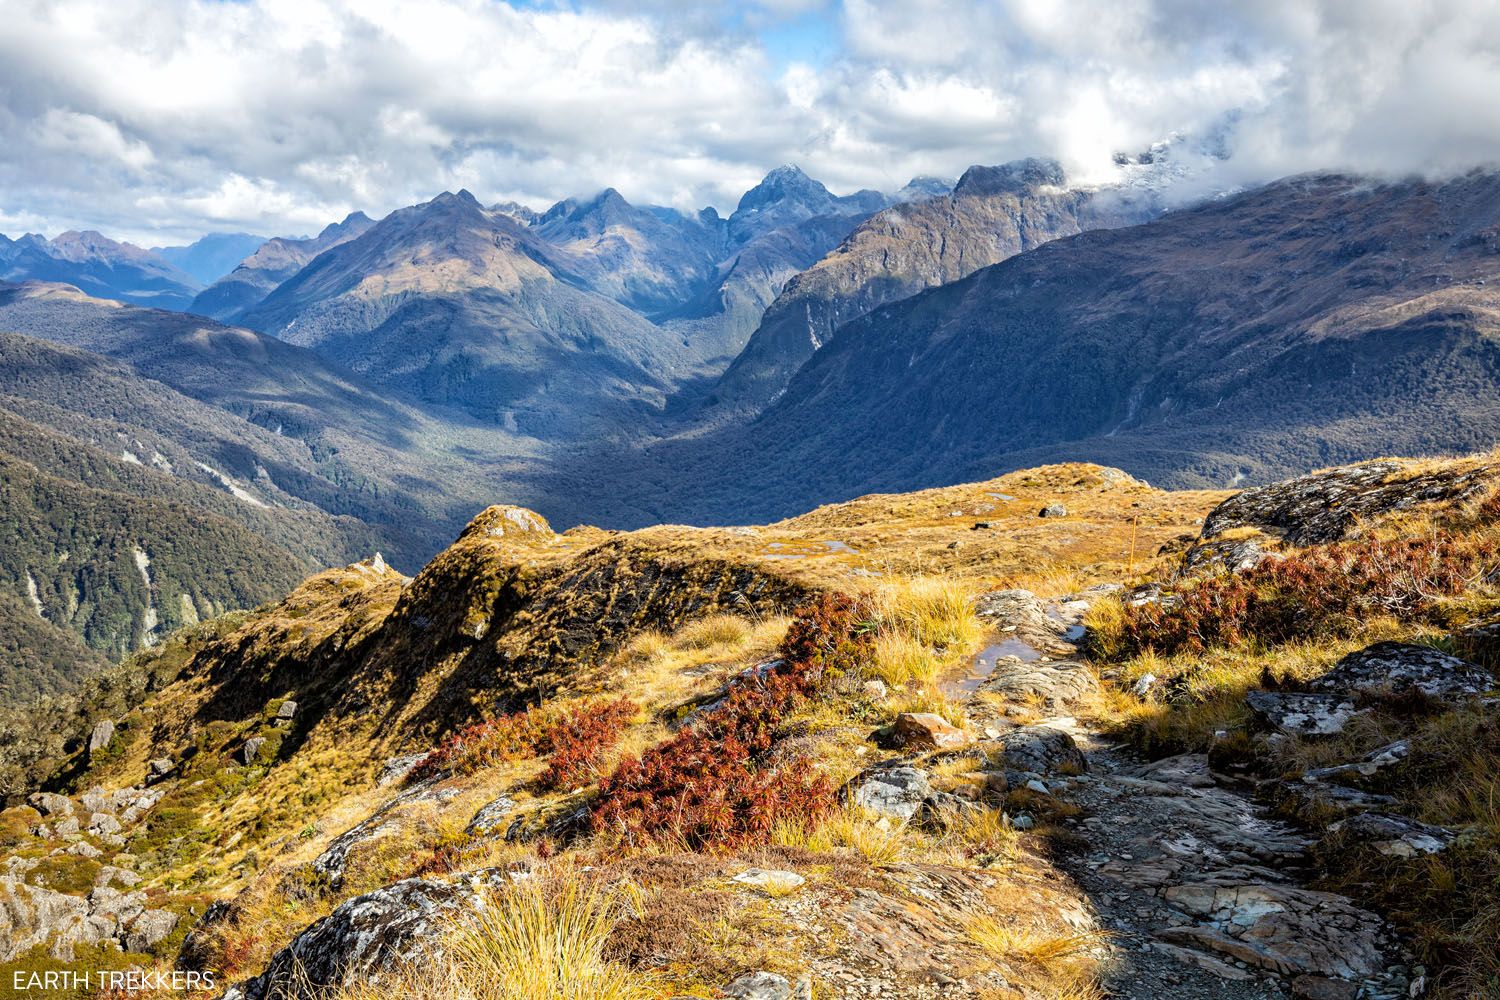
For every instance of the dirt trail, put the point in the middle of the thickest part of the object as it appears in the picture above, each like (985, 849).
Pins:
(1202, 892)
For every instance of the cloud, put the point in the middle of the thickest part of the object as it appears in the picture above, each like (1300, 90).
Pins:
(163, 118)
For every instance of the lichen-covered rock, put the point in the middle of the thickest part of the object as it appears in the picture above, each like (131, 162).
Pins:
(1369, 766)
(768, 986)
(50, 804)
(926, 731)
(1042, 750)
(364, 939)
(897, 792)
(33, 916)
(1324, 506)
(1393, 836)
(99, 738)
(491, 817)
(287, 711)
(251, 750)
(1221, 555)
(1397, 668)
(1051, 685)
(1299, 714)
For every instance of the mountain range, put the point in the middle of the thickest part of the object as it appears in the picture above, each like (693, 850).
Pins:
(617, 364)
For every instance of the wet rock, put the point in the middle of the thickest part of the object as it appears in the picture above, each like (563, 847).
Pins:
(772, 881)
(1021, 615)
(1053, 510)
(50, 804)
(251, 750)
(1393, 836)
(287, 712)
(1286, 929)
(103, 732)
(367, 938)
(897, 792)
(1396, 668)
(1042, 750)
(926, 731)
(491, 817)
(1298, 714)
(1052, 685)
(1324, 506)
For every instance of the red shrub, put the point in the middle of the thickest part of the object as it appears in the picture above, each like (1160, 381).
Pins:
(576, 738)
(1320, 591)
(710, 784)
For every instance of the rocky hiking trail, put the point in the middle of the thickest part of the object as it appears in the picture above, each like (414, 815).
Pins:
(1198, 891)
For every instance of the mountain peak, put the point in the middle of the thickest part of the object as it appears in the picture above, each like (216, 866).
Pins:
(1014, 177)
(786, 183)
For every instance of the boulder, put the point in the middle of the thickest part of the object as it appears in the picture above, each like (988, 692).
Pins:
(1053, 510)
(50, 804)
(1042, 750)
(287, 711)
(103, 823)
(366, 939)
(250, 750)
(397, 768)
(926, 731)
(1393, 836)
(491, 817)
(1052, 685)
(159, 769)
(147, 929)
(896, 792)
(1298, 714)
(1398, 668)
(103, 732)
(1223, 556)
(1325, 506)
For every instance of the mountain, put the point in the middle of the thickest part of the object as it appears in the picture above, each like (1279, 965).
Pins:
(268, 266)
(1317, 319)
(270, 421)
(845, 749)
(211, 257)
(991, 214)
(786, 197)
(99, 266)
(460, 306)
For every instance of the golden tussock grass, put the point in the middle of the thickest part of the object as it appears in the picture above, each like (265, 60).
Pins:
(539, 939)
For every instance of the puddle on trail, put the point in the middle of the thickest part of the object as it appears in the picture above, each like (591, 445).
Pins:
(804, 550)
(983, 664)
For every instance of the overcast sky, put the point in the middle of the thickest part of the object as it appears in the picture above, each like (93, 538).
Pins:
(157, 120)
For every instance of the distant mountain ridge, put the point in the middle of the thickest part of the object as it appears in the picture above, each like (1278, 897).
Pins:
(211, 257)
(1312, 321)
(100, 266)
(991, 214)
(273, 262)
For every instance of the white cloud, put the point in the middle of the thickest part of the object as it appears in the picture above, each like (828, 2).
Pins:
(155, 118)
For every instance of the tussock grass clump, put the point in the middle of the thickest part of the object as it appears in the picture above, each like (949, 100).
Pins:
(715, 630)
(1064, 965)
(845, 828)
(541, 939)
(922, 627)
